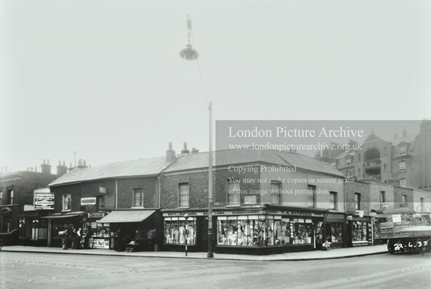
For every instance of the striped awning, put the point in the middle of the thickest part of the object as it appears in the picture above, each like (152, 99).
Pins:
(131, 216)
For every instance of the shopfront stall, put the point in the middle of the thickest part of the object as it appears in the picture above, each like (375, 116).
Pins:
(59, 223)
(359, 230)
(127, 230)
(335, 229)
(264, 230)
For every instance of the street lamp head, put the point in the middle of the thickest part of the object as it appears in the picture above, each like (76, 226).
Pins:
(189, 53)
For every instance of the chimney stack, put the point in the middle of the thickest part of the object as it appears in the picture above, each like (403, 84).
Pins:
(194, 151)
(46, 167)
(404, 132)
(170, 154)
(82, 164)
(185, 150)
(61, 169)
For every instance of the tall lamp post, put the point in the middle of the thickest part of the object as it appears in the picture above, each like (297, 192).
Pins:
(190, 54)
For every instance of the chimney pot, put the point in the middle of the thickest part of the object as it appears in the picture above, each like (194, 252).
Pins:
(170, 154)
(185, 150)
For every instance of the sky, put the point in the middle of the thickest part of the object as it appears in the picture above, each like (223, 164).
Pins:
(104, 79)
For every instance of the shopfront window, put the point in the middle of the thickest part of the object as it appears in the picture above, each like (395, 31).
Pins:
(260, 230)
(336, 233)
(177, 230)
(359, 231)
(241, 230)
(100, 236)
(302, 231)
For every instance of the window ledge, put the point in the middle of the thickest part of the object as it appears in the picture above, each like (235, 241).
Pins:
(65, 211)
(233, 206)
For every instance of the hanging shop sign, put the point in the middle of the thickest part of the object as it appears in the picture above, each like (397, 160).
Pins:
(97, 215)
(103, 190)
(43, 200)
(88, 201)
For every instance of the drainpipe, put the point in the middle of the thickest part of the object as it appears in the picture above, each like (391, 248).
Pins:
(160, 191)
(116, 193)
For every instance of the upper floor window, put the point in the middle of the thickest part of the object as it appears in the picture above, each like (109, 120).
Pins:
(311, 196)
(9, 196)
(100, 203)
(403, 182)
(357, 201)
(348, 161)
(382, 197)
(359, 156)
(184, 195)
(404, 199)
(275, 192)
(359, 172)
(402, 166)
(333, 200)
(233, 192)
(67, 202)
(138, 198)
(403, 150)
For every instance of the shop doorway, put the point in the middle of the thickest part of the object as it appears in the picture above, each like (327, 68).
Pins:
(203, 235)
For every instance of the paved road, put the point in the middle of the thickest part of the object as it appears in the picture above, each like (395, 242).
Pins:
(34, 270)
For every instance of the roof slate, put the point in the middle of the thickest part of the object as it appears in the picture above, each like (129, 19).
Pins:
(154, 166)
(230, 157)
(141, 167)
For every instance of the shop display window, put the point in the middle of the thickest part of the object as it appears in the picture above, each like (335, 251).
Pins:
(319, 232)
(100, 230)
(177, 230)
(359, 231)
(241, 230)
(285, 231)
(263, 230)
(336, 232)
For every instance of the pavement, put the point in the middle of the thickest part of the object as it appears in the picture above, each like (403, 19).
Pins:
(297, 256)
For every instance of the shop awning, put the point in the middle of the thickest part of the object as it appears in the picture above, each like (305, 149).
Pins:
(126, 216)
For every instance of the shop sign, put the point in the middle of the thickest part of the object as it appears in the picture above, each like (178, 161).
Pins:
(43, 200)
(88, 201)
(275, 212)
(360, 213)
(103, 190)
(304, 214)
(101, 243)
(250, 200)
(216, 213)
(396, 218)
(96, 215)
(334, 218)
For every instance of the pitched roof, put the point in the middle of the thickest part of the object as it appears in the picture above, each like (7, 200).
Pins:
(141, 167)
(230, 157)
